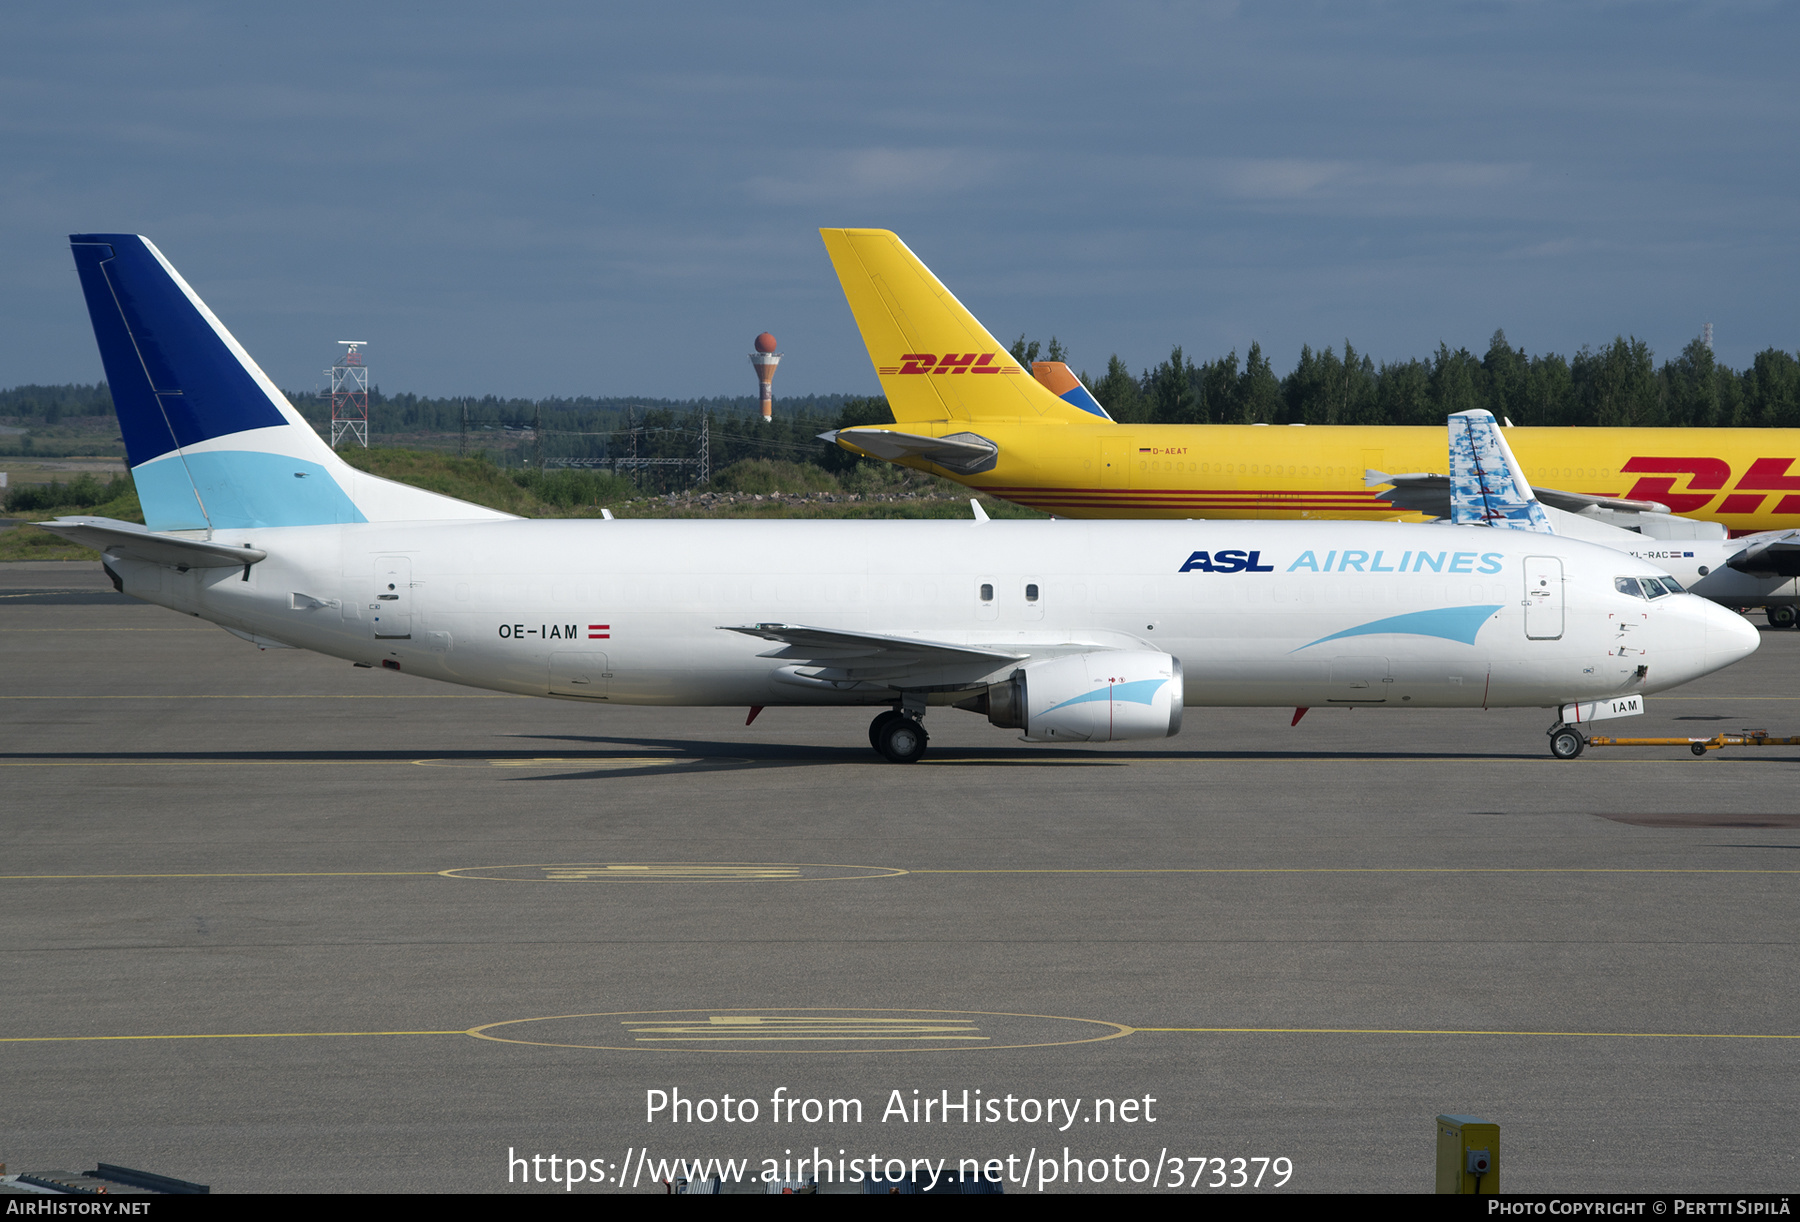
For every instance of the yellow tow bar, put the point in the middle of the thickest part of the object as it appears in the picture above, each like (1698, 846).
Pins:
(1700, 746)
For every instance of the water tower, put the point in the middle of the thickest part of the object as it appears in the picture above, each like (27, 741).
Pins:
(764, 360)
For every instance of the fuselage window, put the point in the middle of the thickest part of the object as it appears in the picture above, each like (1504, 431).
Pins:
(987, 593)
(1031, 594)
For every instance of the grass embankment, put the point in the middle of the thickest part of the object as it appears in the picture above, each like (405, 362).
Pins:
(84, 495)
(754, 488)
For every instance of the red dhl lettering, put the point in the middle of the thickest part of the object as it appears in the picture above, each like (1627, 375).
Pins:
(1765, 475)
(1707, 473)
(1707, 476)
(950, 362)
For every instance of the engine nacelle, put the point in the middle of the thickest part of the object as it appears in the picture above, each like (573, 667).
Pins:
(1098, 697)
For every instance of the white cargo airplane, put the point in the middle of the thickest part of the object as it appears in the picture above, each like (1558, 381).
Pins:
(1068, 631)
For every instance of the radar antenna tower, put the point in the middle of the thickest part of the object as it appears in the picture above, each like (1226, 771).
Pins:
(350, 395)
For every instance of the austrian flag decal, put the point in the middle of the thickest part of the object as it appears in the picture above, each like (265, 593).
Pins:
(599, 632)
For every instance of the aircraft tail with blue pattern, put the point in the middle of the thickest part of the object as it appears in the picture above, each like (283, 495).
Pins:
(212, 444)
(1487, 485)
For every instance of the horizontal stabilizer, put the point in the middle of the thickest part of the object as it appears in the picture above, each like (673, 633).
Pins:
(134, 542)
(964, 453)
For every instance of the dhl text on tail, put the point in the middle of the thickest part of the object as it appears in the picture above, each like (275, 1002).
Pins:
(965, 409)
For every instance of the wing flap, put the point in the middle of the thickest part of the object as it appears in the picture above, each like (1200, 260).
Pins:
(828, 644)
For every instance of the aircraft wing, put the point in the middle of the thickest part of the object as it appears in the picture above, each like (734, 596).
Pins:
(872, 654)
(136, 542)
(1424, 492)
(1575, 502)
(964, 453)
(1775, 555)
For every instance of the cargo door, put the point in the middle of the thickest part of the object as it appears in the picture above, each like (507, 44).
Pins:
(391, 608)
(1543, 598)
(582, 672)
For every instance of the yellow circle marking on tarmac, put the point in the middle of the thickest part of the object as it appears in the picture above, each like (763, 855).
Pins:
(948, 1028)
(791, 1030)
(672, 871)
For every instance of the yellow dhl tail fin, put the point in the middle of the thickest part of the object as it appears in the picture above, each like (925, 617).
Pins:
(935, 360)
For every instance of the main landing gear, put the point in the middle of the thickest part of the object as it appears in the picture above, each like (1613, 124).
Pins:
(1566, 742)
(898, 736)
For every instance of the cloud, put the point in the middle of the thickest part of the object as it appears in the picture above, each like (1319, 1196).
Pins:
(1293, 178)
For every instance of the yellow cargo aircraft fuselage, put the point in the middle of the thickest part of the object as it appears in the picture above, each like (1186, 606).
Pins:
(1742, 478)
(1050, 446)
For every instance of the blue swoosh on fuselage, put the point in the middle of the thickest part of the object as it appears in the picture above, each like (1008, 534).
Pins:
(1451, 623)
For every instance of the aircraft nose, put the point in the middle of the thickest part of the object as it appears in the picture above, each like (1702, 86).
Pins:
(1729, 637)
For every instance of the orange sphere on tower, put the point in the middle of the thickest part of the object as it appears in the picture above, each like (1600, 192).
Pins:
(764, 359)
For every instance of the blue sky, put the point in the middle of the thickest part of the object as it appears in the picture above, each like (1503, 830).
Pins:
(542, 199)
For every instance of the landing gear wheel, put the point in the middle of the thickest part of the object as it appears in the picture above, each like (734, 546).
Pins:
(901, 739)
(1566, 742)
(876, 727)
(1698, 748)
(1783, 617)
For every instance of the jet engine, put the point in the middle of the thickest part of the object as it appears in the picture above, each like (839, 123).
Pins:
(1095, 697)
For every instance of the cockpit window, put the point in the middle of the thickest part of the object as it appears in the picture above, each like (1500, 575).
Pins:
(1627, 585)
(1673, 586)
(1653, 587)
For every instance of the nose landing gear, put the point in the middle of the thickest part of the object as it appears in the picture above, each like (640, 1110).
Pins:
(1566, 742)
(898, 736)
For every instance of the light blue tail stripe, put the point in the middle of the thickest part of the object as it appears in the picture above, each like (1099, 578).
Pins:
(241, 489)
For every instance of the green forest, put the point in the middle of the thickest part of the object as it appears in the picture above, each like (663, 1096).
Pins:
(1613, 386)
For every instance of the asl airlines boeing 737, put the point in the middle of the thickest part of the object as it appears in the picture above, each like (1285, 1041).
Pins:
(1059, 451)
(1068, 631)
